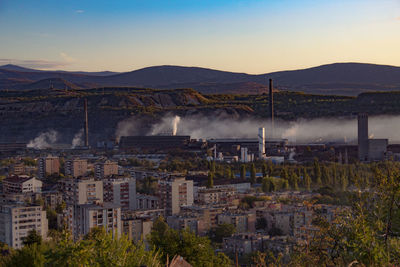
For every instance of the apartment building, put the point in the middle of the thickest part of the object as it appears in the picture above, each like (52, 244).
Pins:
(105, 169)
(17, 220)
(76, 167)
(21, 184)
(107, 215)
(48, 165)
(174, 193)
(120, 191)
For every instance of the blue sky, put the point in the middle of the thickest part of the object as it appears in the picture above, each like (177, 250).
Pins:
(251, 36)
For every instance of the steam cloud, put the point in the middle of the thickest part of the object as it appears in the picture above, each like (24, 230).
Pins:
(175, 123)
(301, 130)
(77, 140)
(44, 140)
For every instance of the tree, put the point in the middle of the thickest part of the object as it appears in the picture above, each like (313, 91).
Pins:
(194, 249)
(222, 231)
(265, 185)
(33, 238)
(343, 182)
(253, 174)
(324, 176)
(264, 170)
(210, 180)
(272, 186)
(285, 185)
(317, 173)
(243, 171)
(212, 166)
(307, 180)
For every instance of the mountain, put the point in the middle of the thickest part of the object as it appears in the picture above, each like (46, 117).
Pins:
(338, 78)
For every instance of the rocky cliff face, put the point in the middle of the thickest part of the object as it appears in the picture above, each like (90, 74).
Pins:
(25, 115)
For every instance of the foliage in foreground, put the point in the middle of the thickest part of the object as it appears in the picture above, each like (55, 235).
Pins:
(194, 249)
(97, 249)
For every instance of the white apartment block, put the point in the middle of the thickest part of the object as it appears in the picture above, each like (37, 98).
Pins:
(16, 221)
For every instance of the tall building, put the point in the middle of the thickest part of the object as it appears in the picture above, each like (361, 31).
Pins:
(49, 165)
(120, 191)
(105, 169)
(363, 137)
(78, 192)
(107, 215)
(16, 221)
(174, 193)
(76, 167)
(81, 191)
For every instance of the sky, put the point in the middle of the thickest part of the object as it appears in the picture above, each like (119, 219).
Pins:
(251, 36)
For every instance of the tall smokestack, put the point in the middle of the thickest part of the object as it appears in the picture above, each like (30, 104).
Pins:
(363, 137)
(271, 106)
(86, 126)
(261, 143)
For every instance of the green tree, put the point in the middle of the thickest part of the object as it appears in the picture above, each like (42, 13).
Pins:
(222, 231)
(210, 180)
(265, 185)
(243, 171)
(317, 177)
(33, 238)
(307, 180)
(194, 249)
(253, 174)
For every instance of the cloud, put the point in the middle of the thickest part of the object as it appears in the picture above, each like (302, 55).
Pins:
(79, 11)
(67, 58)
(38, 63)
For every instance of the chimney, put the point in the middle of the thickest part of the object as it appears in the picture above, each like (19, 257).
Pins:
(362, 136)
(271, 106)
(86, 126)
(261, 143)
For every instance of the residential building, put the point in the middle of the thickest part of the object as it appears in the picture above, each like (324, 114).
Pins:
(147, 202)
(243, 222)
(105, 169)
(48, 165)
(216, 195)
(21, 184)
(137, 229)
(107, 215)
(16, 221)
(76, 167)
(174, 193)
(120, 191)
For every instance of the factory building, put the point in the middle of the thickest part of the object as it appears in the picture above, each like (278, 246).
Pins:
(369, 149)
(154, 142)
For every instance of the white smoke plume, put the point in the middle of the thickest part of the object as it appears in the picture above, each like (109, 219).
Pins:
(44, 140)
(175, 123)
(78, 140)
(300, 131)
